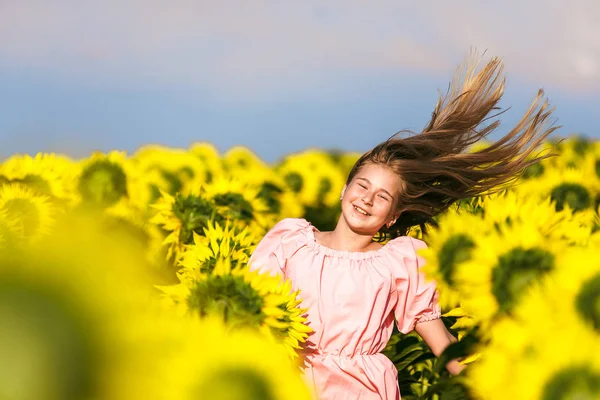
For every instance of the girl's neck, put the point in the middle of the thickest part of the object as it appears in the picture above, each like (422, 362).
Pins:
(344, 239)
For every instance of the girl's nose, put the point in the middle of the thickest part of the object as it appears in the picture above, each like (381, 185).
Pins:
(368, 199)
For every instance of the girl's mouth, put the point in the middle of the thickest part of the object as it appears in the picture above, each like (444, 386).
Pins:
(360, 210)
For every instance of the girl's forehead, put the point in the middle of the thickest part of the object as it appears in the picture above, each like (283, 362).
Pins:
(380, 175)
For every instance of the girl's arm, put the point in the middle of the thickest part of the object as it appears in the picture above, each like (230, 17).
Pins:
(437, 337)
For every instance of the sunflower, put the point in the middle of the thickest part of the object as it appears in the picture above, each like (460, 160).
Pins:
(314, 177)
(241, 160)
(209, 155)
(62, 301)
(181, 216)
(217, 242)
(28, 215)
(547, 347)
(510, 207)
(206, 359)
(240, 203)
(243, 298)
(46, 174)
(159, 168)
(504, 264)
(447, 247)
(103, 179)
(568, 188)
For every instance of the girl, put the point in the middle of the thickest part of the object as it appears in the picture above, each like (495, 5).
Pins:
(353, 286)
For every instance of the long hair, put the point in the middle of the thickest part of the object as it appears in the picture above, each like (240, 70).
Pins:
(434, 167)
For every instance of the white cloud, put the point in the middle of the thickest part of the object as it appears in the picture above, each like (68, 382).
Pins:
(256, 48)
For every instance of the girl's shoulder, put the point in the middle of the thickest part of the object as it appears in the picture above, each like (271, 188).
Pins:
(405, 246)
(291, 225)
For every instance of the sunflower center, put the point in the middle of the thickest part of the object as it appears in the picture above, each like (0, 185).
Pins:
(172, 180)
(294, 181)
(581, 145)
(102, 183)
(575, 383)
(533, 171)
(236, 383)
(325, 186)
(455, 250)
(515, 271)
(238, 208)
(47, 351)
(227, 295)
(25, 213)
(575, 195)
(194, 212)
(588, 301)
(269, 192)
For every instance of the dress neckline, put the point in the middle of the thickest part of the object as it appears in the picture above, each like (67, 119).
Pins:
(353, 255)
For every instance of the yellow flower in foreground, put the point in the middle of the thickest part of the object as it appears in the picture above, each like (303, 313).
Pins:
(502, 267)
(548, 347)
(209, 360)
(243, 298)
(63, 301)
(447, 247)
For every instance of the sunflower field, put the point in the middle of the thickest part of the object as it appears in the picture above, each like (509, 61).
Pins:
(126, 276)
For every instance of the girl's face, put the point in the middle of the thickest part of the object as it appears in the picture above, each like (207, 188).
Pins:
(370, 200)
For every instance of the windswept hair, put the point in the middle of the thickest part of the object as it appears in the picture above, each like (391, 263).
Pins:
(434, 167)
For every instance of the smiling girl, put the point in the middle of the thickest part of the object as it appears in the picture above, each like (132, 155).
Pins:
(356, 288)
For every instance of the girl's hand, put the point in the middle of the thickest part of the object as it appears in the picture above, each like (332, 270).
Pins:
(437, 337)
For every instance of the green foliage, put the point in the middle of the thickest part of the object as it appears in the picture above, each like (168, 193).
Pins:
(422, 376)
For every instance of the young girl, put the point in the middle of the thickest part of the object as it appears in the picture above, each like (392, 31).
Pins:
(353, 286)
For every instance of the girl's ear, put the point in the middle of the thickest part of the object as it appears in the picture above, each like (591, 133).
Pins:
(343, 191)
(394, 218)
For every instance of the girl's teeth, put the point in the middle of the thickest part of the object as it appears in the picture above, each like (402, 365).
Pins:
(361, 211)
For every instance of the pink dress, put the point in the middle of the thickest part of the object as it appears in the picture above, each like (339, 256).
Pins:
(353, 299)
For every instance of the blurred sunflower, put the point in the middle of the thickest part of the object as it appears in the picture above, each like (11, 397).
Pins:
(240, 161)
(170, 170)
(567, 187)
(103, 179)
(243, 298)
(547, 347)
(448, 246)
(511, 207)
(46, 174)
(209, 155)
(209, 360)
(62, 300)
(28, 215)
(505, 263)
(314, 177)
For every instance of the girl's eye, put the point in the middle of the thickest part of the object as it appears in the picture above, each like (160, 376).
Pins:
(383, 197)
(362, 186)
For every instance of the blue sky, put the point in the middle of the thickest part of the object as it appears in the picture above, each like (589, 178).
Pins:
(275, 76)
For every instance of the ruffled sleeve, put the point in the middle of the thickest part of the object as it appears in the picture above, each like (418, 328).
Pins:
(417, 297)
(274, 249)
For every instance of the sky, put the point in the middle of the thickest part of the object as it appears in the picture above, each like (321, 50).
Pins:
(275, 76)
